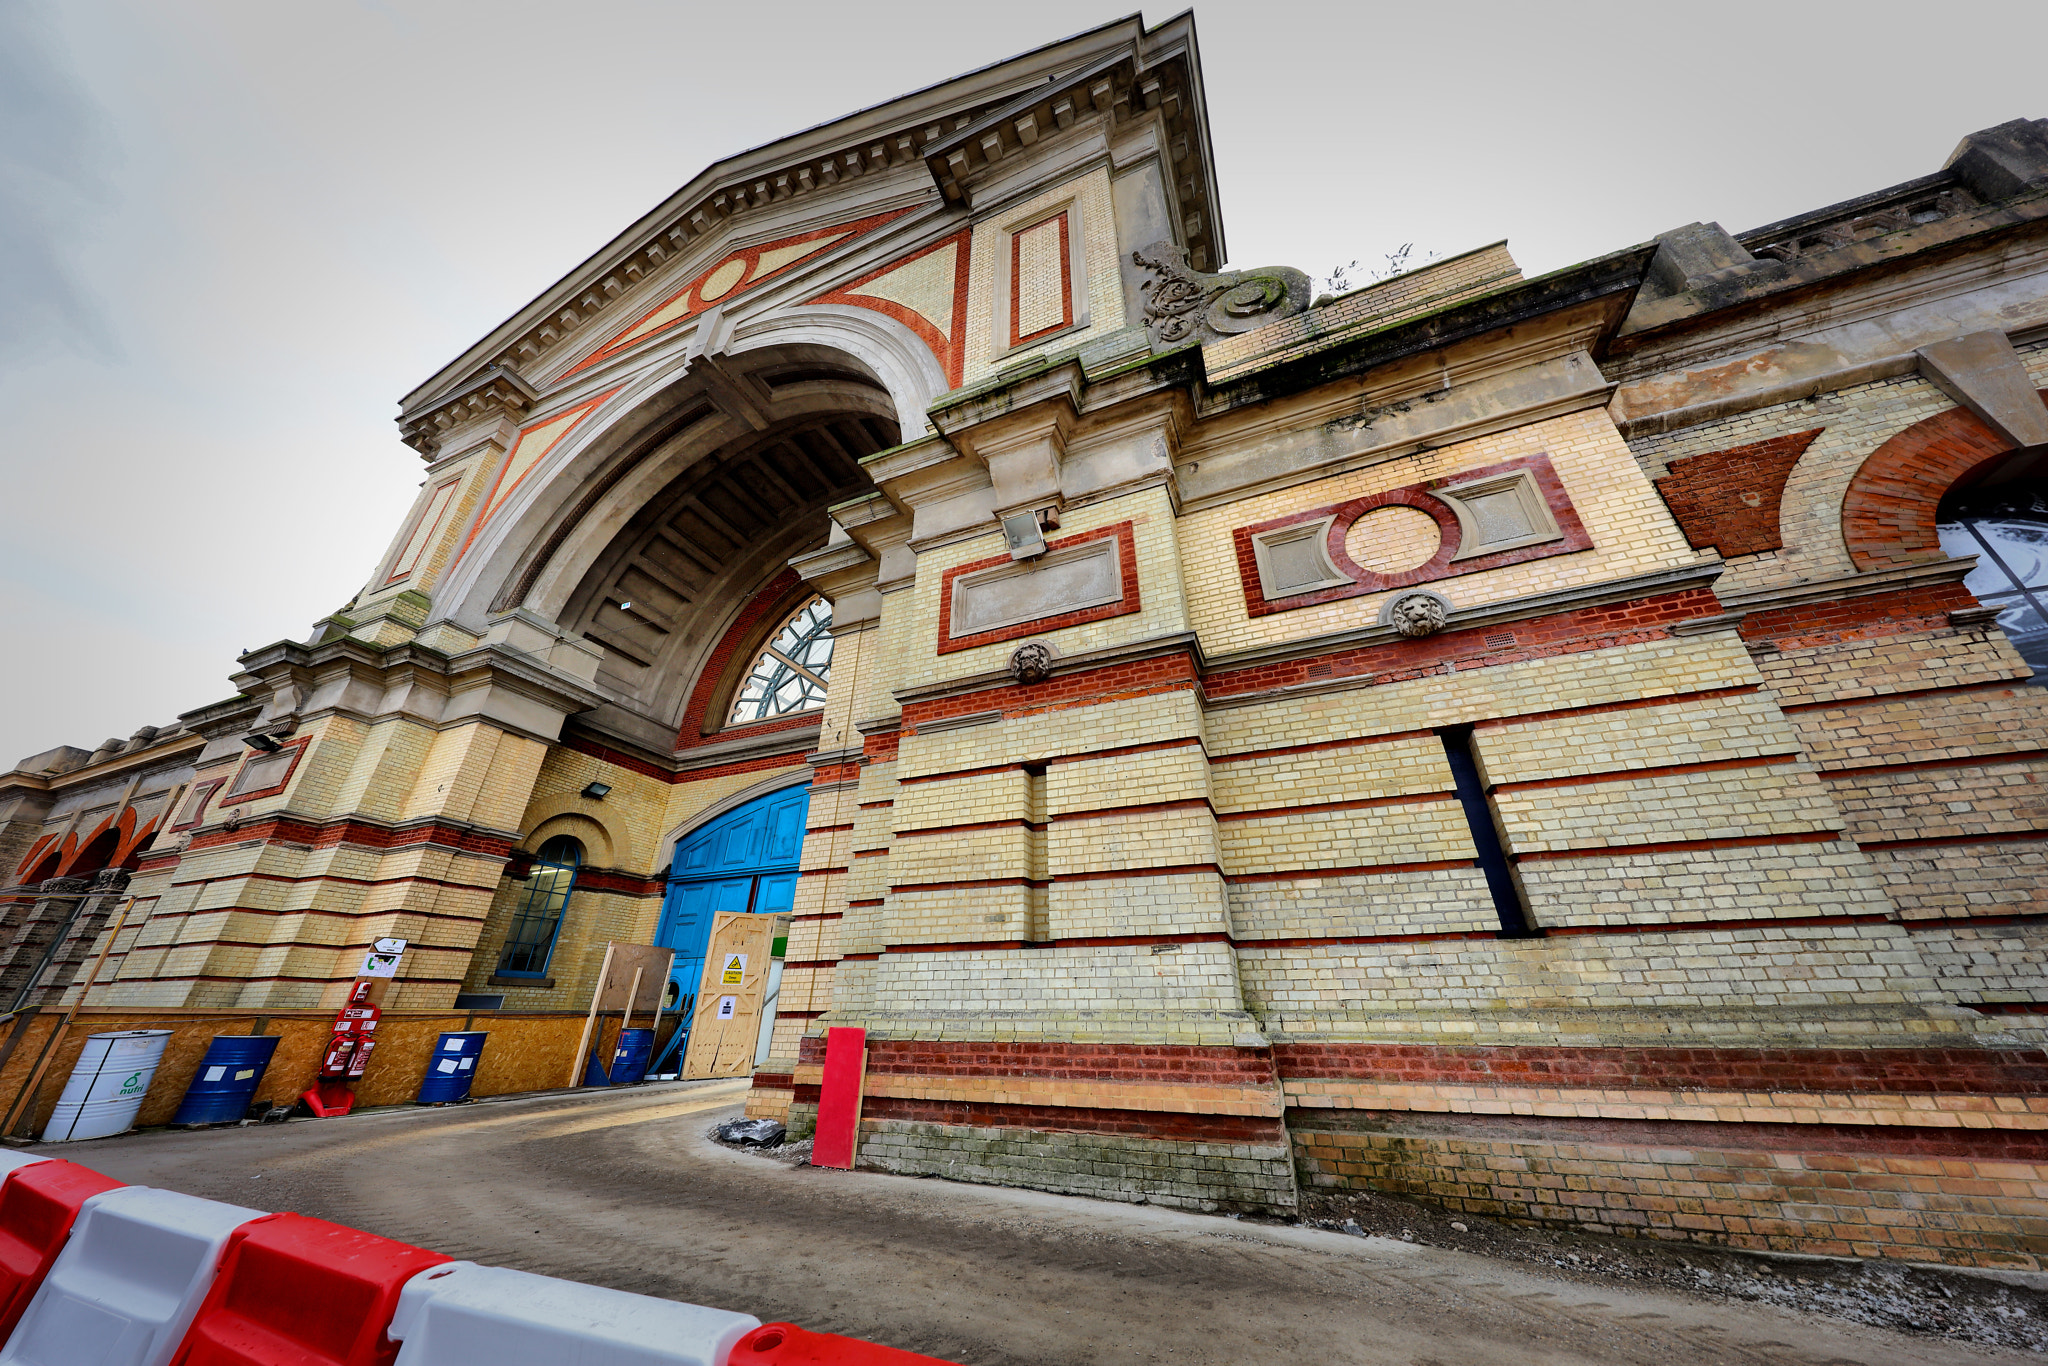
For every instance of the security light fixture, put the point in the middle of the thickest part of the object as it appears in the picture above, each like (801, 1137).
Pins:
(1021, 533)
(596, 791)
(266, 744)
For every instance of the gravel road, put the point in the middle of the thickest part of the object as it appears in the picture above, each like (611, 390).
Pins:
(624, 1189)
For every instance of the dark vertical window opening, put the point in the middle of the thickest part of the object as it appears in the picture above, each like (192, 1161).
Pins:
(1493, 859)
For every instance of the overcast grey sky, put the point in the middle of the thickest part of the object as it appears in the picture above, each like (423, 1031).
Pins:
(232, 234)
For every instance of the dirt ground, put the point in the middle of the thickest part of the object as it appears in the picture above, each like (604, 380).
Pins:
(626, 1189)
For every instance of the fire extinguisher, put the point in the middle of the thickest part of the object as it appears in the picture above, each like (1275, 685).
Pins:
(348, 1053)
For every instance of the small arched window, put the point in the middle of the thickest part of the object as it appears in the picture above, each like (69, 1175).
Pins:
(2006, 528)
(537, 920)
(792, 673)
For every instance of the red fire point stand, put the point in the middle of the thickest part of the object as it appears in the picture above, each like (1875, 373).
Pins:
(348, 1053)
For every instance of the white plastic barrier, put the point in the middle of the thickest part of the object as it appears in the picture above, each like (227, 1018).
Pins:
(125, 1287)
(463, 1314)
(11, 1163)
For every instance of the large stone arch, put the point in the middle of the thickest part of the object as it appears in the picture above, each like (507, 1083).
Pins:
(655, 425)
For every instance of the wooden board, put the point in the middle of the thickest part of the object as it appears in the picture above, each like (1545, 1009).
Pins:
(652, 964)
(727, 1021)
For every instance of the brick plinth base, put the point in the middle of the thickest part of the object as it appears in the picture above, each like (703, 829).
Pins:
(1833, 1190)
(1933, 1154)
(1241, 1177)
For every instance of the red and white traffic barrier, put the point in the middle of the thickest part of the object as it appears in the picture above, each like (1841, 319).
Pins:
(95, 1271)
(304, 1291)
(132, 1273)
(39, 1201)
(463, 1314)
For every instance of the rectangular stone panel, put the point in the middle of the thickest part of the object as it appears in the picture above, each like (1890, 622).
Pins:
(1067, 580)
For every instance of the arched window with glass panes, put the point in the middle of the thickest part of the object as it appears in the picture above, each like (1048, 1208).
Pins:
(792, 671)
(2005, 525)
(537, 920)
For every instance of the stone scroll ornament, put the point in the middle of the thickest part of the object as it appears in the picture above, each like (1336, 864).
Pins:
(1182, 304)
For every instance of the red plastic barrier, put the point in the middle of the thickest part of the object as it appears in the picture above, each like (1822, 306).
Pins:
(302, 1292)
(785, 1344)
(37, 1206)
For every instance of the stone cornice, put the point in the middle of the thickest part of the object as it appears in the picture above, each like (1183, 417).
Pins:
(173, 749)
(1768, 283)
(1611, 280)
(1161, 75)
(499, 389)
(1850, 585)
(513, 688)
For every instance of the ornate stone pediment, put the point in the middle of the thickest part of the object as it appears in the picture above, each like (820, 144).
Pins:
(1183, 304)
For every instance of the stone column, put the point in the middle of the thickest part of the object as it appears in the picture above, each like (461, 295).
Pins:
(24, 951)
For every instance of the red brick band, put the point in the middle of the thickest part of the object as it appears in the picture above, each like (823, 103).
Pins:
(1939, 841)
(1165, 1125)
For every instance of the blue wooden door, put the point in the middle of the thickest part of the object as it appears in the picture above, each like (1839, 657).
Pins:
(743, 861)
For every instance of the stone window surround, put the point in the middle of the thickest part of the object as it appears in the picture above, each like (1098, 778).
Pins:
(1265, 542)
(195, 803)
(1002, 297)
(1437, 497)
(1533, 507)
(298, 748)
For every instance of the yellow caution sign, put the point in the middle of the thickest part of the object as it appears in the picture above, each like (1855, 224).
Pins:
(735, 970)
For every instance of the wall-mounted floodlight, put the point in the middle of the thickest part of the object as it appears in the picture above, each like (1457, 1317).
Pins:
(1020, 531)
(596, 791)
(266, 744)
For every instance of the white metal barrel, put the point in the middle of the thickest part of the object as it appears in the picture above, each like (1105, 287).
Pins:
(108, 1085)
(463, 1314)
(125, 1287)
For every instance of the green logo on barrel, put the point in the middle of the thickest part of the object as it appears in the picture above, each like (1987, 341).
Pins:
(132, 1085)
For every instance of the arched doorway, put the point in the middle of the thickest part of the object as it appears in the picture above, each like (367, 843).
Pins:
(745, 860)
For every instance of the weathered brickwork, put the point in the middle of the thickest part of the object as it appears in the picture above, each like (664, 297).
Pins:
(1249, 1176)
(1940, 1209)
(1728, 500)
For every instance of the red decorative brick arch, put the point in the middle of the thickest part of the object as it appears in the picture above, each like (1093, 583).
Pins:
(1888, 511)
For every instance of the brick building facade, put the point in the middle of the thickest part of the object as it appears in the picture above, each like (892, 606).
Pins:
(1565, 747)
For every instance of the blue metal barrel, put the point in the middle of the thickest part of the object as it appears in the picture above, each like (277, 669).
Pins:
(452, 1067)
(630, 1056)
(227, 1079)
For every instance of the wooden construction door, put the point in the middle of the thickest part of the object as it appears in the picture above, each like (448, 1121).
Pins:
(727, 1019)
